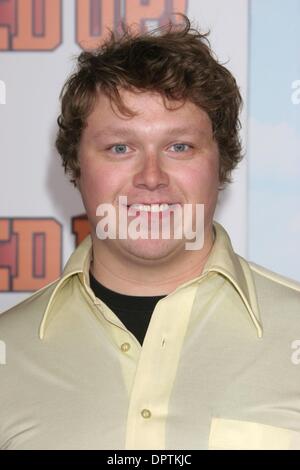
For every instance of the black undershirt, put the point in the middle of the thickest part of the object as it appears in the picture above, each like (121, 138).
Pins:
(133, 311)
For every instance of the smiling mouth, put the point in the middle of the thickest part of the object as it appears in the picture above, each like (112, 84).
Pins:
(152, 208)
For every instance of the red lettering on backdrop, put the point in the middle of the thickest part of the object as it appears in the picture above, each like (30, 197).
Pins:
(8, 22)
(94, 16)
(36, 25)
(30, 25)
(30, 253)
(80, 227)
(8, 253)
(153, 11)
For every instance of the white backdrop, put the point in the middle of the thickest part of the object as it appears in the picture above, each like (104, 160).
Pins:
(32, 182)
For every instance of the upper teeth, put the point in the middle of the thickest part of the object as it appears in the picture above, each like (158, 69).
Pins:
(150, 207)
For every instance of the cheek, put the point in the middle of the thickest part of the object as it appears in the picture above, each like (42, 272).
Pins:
(100, 184)
(202, 181)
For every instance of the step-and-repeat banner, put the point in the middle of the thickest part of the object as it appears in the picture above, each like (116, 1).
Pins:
(41, 214)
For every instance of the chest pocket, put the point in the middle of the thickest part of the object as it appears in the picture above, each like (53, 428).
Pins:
(228, 434)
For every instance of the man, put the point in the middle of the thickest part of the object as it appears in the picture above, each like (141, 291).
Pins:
(146, 342)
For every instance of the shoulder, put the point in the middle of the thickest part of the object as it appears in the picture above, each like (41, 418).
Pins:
(274, 279)
(278, 302)
(274, 291)
(23, 317)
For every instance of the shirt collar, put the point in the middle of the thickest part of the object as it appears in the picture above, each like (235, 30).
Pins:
(222, 259)
(235, 269)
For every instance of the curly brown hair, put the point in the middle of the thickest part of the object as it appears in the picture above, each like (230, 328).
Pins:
(175, 60)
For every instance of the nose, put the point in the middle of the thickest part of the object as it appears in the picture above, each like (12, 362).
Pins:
(151, 175)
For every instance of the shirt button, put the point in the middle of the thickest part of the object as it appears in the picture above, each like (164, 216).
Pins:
(146, 413)
(125, 347)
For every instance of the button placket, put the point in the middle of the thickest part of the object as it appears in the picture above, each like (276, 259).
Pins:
(156, 371)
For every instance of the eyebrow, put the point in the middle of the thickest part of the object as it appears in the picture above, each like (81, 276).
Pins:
(125, 131)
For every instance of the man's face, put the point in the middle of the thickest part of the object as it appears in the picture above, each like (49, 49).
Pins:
(157, 156)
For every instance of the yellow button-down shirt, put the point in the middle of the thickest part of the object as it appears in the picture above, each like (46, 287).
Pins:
(206, 377)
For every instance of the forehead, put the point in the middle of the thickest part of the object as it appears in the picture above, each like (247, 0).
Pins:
(150, 109)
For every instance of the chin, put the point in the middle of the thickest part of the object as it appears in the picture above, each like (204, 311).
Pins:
(152, 249)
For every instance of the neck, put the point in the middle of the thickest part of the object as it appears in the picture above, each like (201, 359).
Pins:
(122, 273)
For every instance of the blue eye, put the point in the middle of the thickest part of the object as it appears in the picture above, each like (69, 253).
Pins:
(180, 147)
(121, 147)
